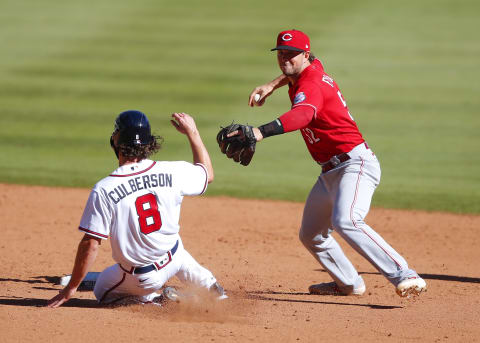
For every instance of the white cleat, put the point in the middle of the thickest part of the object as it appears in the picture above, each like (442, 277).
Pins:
(331, 288)
(411, 286)
(174, 294)
(218, 291)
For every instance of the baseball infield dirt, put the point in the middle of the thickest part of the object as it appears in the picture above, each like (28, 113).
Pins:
(253, 248)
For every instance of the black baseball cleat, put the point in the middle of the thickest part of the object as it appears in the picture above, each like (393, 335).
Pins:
(159, 300)
(331, 288)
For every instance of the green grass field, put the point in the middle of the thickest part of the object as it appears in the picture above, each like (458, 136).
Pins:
(408, 70)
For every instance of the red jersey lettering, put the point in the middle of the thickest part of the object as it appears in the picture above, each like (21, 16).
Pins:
(331, 129)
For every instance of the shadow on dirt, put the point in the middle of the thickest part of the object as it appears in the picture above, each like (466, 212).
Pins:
(36, 279)
(54, 280)
(450, 278)
(255, 295)
(440, 277)
(33, 302)
(260, 296)
(42, 282)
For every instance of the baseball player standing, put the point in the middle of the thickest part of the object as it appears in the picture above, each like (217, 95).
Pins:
(138, 208)
(341, 197)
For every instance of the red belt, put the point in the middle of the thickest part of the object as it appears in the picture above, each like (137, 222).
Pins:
(335, 161)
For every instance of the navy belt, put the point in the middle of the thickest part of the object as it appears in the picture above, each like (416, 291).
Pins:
(153, 266)
(336, 160)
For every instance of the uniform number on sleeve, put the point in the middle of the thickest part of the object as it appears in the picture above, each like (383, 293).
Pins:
(148, 215)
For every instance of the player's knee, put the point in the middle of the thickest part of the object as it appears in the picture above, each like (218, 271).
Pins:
(305, 236)
(344, 221)
(301, 237)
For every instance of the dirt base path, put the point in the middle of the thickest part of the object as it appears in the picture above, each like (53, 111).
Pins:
(253, 249)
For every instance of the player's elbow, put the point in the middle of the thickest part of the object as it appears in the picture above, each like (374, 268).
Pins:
(90, 243)
(211, 176)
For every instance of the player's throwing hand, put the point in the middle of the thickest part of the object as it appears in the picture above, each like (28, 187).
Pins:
(184, 123)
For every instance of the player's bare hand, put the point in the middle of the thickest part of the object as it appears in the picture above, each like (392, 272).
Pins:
(184, 123)
(256, 132)
(259, 94)
(62, 296)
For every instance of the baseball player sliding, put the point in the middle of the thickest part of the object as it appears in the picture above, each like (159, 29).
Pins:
(340, 199)
(138, 207)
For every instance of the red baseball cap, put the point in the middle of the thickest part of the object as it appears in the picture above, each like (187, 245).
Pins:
(292, 40)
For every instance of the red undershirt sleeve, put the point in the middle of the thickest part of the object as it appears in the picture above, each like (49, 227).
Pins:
(297, 118)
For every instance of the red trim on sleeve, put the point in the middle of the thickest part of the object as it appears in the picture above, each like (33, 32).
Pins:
(206, 177)
(140, 172)
(92, 233)
(298, 117)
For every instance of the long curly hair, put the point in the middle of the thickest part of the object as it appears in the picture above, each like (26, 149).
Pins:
(142, 151)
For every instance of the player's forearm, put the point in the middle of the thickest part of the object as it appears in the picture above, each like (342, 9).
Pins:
(295, 119)
(200, 153)
(86, 254)
(260, 93)
(278, 82)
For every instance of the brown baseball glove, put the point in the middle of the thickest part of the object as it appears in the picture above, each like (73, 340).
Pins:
(239, 147)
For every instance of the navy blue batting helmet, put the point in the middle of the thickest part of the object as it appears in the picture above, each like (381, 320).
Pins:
(133, 128)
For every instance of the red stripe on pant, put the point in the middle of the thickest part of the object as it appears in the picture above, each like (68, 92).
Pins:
(360, 174)
(111, 289)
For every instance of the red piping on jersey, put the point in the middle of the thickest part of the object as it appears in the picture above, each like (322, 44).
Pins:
(206, 176)
(111, 289)
(93, 233)
(355, 223)
(142, 171)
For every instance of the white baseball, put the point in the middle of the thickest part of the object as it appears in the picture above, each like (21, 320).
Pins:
(257, 97)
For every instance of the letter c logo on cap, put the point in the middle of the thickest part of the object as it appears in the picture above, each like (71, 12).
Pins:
(287, 36)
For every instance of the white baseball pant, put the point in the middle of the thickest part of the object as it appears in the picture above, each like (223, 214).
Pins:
(115, 283)
(340, 200)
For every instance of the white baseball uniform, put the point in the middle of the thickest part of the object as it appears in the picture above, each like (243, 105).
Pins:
(138, 208)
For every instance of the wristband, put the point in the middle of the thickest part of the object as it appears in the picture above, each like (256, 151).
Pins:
(272, 129)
